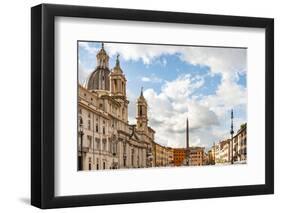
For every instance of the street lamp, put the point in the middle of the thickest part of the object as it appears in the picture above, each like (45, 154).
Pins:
(214, 153)
(187, 143)
(231, 132)
(81, 133)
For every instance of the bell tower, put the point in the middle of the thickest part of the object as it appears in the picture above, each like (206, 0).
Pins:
(142, 120)
(118, 89)
(117, 80)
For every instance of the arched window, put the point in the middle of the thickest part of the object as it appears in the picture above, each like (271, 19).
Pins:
(97, 143)
(80, 121)
(89, 124)
(114, 147)
(140, 110)
(89, 138)
(104, 144)
(97, 164)
(90, 164)
(115, 85)
(132, 157)
(110, 146)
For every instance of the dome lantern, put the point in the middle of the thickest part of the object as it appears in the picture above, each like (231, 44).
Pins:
(102, 58)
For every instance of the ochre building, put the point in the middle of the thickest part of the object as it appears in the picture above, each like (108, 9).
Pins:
(179, 156)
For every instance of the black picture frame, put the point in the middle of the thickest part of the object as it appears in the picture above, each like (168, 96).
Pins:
(43, 105)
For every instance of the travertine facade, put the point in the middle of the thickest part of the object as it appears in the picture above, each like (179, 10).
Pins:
(170, 156)
(197, 156)
(211, 156)
(221, 152)
(105, 138)
(162, 155)
(240, 144)
(225, 150)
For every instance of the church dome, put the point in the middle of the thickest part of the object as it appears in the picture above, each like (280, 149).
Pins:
(99, 78)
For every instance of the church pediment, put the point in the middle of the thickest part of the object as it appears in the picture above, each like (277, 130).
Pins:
(134, 136)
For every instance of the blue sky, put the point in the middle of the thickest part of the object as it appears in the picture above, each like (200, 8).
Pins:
(201, 83)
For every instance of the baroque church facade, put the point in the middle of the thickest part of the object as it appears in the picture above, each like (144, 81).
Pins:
(106, 140)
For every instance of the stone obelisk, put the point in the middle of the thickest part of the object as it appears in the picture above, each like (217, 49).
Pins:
(187, 142)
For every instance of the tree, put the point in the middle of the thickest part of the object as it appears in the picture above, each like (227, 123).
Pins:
(243, 125)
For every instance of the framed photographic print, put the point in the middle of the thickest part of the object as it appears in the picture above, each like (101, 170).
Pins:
(139, 106)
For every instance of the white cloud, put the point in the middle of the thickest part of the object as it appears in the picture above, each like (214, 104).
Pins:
(86, 45)
(132, 106)
(182, 87)
(134, 52)
(207, 116)
(225, 61)
(82, 73)
(145, 79)
(152, 79)
(228, 95)
(200, 116)
(169, 110)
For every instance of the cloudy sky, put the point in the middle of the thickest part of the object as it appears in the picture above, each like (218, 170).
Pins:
(201, 83)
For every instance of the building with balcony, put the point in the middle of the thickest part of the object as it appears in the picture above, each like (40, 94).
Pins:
(240, 144)
(221, 152)
(162, 154)
(197, 156)
(106, 140)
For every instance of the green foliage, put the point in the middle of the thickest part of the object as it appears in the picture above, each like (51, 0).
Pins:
(243, 125)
